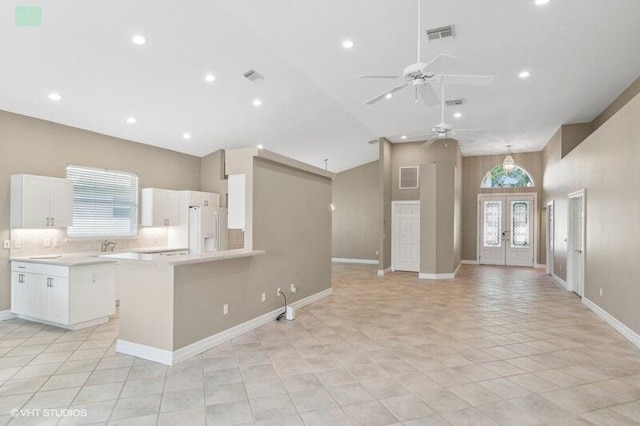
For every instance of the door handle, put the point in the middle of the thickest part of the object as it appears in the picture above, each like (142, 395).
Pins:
(578, 251)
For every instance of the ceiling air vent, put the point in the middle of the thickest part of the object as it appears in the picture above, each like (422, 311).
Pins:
(409, 177)
(440, 33)
(373, 141)
(455, 102)
(253, 75)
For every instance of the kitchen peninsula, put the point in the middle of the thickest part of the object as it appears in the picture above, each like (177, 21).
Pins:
(173, 307)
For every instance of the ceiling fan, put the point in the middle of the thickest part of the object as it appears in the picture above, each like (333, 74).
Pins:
(420, 74)
(443, 130)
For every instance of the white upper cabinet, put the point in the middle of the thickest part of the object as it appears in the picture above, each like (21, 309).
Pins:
(160, 207)
(41, 201)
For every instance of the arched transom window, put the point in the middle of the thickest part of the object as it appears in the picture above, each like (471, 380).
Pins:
(499, 178)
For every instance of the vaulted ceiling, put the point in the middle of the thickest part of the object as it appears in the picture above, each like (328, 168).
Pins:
(581, 54)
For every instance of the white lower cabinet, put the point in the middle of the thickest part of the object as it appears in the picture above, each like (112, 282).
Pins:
(68, 296)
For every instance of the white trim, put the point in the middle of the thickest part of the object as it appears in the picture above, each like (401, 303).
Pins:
(424, 276)
(73, 327)
(7, 315)
(457, 269)
(631, 335)
(540, 266)
(360, 261)
(469, 262)
(549, 242)
(381, 272)
(560, 281)
(168, 357)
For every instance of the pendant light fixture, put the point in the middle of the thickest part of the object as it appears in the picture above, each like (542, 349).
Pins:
(508, 164)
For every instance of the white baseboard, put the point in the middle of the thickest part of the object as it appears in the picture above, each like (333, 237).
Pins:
(168, 357)
(381, 272)
(359, 261)
(469, 262)
(560, 281)
(631, 335)
(424, 276)
(540, 266)
(457, 269)
(6, 315)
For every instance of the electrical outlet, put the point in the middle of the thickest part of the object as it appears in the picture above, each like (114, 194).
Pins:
(278, 292)
(47, 243)
(293, 288)
(56, 242)
(7, 244)
(264, 297)
(17, 244)
(600, 291)
(225, 309)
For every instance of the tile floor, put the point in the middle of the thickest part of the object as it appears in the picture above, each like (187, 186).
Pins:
(495, 346)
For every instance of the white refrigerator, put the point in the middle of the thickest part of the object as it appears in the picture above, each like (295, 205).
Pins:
(207, 229)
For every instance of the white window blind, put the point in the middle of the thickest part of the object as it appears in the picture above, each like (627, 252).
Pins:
(105, 203)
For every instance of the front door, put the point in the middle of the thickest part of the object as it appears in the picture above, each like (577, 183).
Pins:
(506, 234)
(406, 236)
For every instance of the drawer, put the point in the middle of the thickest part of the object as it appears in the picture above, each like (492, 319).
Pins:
(40, 268)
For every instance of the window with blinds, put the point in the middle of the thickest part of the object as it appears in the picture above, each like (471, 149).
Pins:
(105, 203)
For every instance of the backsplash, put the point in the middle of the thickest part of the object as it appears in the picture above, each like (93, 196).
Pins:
(32, 242)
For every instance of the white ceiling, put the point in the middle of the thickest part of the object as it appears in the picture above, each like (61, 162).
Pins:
(581, 54)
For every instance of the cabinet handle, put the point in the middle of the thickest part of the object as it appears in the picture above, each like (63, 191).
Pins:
(48, 221)
(53, 221)
(21, 278)
(22, 267)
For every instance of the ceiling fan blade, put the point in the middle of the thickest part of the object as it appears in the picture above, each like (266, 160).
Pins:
(381, 76)
(441, 62)
(468, 80)
(394, 90)
(428, 143)
(428, 95)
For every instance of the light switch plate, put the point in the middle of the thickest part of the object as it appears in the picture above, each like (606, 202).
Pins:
(6, 244)
(17, 244)
(47, 243)
(56, 242)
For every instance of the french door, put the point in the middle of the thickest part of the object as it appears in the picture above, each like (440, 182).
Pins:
(506, 234)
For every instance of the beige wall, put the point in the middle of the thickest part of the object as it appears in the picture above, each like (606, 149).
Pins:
(32, 146)
(292, 222)
(573, 135)
(473, 170)
(356, 197)
(212, 175)
(384, 228)
(628, 94)
(604, 165)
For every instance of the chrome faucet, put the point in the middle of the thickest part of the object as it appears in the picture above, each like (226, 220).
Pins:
(108, 245)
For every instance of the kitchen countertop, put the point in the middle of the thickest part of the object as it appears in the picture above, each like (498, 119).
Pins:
(89, 258)
(64, 260)
(186, 259)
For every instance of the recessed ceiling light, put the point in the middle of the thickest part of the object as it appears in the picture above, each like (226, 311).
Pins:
(388, 96)
(257, 102)
(457, 114)
(138, 39)
(209, 78)
(403, 137)
(55, 96)
(347, 44)
(541, 2)
(524, 74)
(186, 136)
(260, 147)
(131, 120)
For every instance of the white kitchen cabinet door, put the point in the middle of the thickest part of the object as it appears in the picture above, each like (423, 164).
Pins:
(160, 207)
(61, 203)
(17, 292)
(41, 201)
(34, 300)
(58, 299)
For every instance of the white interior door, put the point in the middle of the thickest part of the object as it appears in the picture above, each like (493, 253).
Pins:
(406, 236)
(492, 231)
(576, 238)
(506, 230)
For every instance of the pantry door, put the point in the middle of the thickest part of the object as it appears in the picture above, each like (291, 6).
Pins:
(507, 227)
